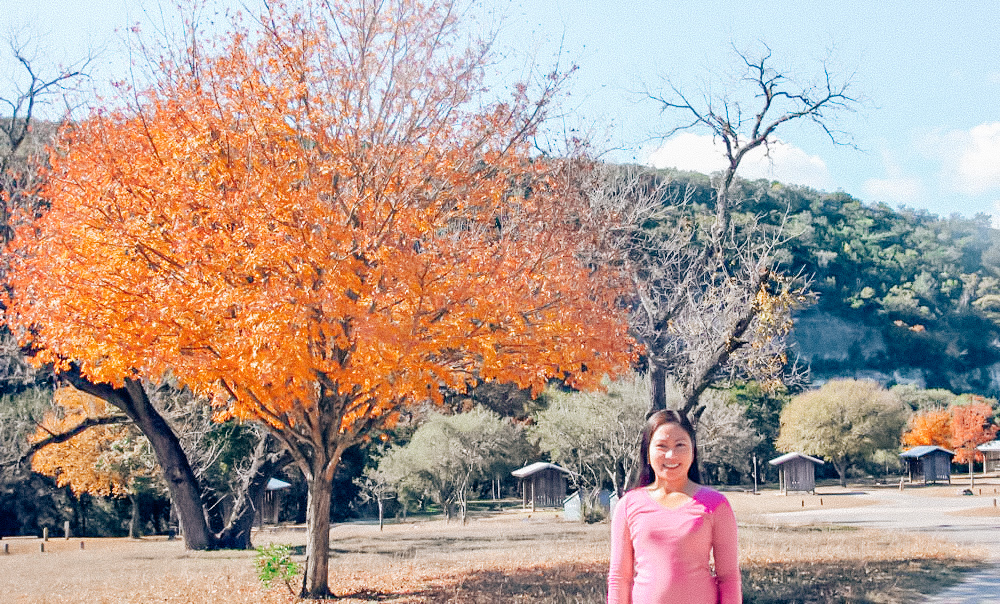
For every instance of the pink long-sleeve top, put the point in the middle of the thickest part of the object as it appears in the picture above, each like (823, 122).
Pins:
(660, 555)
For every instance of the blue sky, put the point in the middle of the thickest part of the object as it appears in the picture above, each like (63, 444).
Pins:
(927, 130)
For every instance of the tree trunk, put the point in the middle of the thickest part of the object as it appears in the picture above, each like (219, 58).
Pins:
(236, 534)
(316, 578)
(185, 492)
(133, 523)
(247, 502)
(658, 381)
(381, 514)
(972, 477)
(83, 501)
(841, 467)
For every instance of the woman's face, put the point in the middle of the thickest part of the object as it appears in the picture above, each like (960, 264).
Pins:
(671, 453)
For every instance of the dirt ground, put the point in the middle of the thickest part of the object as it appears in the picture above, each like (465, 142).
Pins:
(512, 556)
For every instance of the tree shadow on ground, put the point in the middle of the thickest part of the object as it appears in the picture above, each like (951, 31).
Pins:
(883, 582)
(852, 582)
(567, 583)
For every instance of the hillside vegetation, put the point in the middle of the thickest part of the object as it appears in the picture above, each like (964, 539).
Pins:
(904, 296)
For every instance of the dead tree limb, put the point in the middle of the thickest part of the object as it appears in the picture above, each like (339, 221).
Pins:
(711, 305)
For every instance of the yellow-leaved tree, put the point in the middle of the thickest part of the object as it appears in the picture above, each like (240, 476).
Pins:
(107, 460)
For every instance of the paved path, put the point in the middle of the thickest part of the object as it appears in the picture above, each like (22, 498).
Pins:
(979, 588)
(914, 513)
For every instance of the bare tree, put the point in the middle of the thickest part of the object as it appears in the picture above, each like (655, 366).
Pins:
(24, 94)
(23, 135)
(710, 303)
(213, 514)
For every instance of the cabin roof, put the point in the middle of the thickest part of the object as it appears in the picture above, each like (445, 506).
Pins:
(537, 467)
(787, 457)
(922, 451)
(993, 445)
(273, 484)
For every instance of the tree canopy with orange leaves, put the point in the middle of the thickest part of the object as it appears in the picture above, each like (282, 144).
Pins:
(929, 427)
(107, 460)
(963, 427)
(971, 426)
(319, 222)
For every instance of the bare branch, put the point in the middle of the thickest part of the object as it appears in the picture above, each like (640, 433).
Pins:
(710, 305)
(61, 437)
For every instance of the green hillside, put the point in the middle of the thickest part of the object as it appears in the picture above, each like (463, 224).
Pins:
(904, 295)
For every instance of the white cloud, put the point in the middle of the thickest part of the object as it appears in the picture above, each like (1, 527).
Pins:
(978, 168)
(970, 159)
(688, 151)
(895, 188)
(782, 162)
(899, 190)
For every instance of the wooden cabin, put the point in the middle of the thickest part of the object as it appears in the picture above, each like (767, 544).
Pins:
(269, 508)
(543, 485)
(796, 472)
(991, 455)
(928, 463)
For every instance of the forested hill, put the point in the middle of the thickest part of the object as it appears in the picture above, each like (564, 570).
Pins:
(904, 295)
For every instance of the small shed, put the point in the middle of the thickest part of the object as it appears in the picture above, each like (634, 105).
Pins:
(928, 462)
(270, 507)
(796, 471)
(543, 485)
(573, 507)
(991, 453)
(573, 504)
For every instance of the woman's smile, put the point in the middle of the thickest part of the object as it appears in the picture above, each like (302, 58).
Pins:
(671, 452)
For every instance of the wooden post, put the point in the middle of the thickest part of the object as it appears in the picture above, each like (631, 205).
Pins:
(66, 529)
(41, 547)
(6, 546)
(45, 533)
(81, 545)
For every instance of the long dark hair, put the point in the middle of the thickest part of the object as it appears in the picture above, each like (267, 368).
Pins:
(646, 476)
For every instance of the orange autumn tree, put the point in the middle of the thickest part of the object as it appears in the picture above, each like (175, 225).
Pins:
(106, 460)
(930, 427)
(971, 426)
(318, 223)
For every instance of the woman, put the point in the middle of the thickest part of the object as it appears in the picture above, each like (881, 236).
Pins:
(666, 527)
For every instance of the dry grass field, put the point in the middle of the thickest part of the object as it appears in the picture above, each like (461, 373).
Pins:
(506, 557)
(748, 505)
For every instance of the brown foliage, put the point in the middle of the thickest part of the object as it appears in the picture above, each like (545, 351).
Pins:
(971, 426)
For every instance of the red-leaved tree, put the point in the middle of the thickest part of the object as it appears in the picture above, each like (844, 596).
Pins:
(318, 222)
(971, 426)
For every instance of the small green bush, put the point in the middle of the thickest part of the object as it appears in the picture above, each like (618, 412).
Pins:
(594, 514)
(274, 562)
